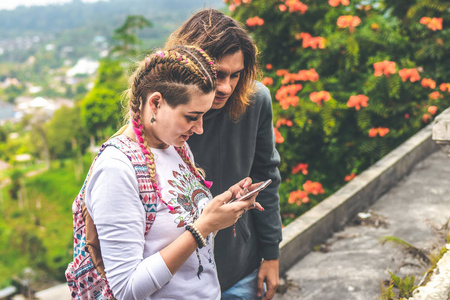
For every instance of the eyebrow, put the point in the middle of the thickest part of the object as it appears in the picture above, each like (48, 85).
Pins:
(195, 112)
(239, 71)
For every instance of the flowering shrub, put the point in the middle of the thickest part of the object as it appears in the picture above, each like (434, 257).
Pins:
(351, 80)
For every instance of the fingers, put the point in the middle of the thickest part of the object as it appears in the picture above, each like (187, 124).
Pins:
(259, 287)
(224, 197)
(241, 188)
(270, 291)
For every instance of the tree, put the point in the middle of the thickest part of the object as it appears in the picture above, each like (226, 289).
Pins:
(127, 38)
(65, 134)
(101, 108)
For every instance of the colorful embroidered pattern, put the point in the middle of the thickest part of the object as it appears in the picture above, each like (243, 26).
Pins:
(82, 277)
(189, 196)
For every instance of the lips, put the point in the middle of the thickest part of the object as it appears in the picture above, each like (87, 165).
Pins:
(185, 136)
(220, 99)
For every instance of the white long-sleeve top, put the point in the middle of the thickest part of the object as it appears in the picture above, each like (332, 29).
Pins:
(134, 267)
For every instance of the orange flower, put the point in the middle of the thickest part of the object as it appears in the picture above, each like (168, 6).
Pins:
(385, 67)
(309, 41)
(283, 121)
(300, 167)
(335, 3)
(294, 6)
(286, 95)
(373, 132)
(267, 81)
(282, 72)
(432, 23)
(298, 197)
(318, 97)
(381, 131)
(282, 7)
(432, 109)
(374, 26)
(411, 74)
(426, 118)
(302, 75)
(269, 66)
(435, 95)
(314, 188)
(444, 86)
(278, 137)
(255, 21)
(348, 21)
(349, 177)
(358, 101)
(310, 75)
(428, 83)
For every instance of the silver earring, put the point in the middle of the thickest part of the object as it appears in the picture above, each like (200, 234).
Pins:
(152, 120)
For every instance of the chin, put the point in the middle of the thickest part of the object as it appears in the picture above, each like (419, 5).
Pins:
(218, 105)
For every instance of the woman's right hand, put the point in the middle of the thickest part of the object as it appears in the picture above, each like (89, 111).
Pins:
(219, 214)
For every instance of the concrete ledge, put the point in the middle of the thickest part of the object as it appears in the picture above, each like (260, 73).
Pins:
(439, 285)
(316, 225)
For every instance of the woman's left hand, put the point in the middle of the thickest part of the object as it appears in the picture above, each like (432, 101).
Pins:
(243, 187)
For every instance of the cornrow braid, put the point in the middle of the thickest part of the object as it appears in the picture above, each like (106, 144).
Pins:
(211, 64)
(173, 57)
(170, 72)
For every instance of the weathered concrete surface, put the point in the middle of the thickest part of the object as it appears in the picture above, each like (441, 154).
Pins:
(333, 213)
(355, 262)
(439, 285)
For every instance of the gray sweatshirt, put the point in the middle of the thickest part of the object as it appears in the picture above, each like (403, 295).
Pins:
(229, 152)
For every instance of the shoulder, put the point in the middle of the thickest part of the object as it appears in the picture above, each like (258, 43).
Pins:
(261, 100)
(112, 159)
(262, 93)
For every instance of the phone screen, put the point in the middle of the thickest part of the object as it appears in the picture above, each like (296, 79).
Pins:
(251, 193)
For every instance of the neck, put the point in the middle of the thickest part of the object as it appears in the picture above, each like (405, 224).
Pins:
(152, 141)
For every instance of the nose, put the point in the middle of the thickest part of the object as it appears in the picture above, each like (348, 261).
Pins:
(224, 86)
(198, 126)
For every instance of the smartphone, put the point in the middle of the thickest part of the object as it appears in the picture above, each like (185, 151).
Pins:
(251, 193)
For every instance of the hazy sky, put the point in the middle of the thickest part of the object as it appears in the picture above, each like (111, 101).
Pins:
(11, 4)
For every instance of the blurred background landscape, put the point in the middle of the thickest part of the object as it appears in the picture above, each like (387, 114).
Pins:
(49, 60)
(350, 81)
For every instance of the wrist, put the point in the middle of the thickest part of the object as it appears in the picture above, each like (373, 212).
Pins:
(203, 227)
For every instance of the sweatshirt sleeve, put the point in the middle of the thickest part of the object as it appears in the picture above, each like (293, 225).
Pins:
(265, 166)
(112, 199)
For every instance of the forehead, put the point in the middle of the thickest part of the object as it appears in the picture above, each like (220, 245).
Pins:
(231, 63)
(198, 101)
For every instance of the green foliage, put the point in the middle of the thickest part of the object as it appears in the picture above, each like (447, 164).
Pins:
(16, 183)
(405, 287)
(102, 107)
(65, 135)
(332, 135)
(38, 232)
(127, 36)
(414, 251)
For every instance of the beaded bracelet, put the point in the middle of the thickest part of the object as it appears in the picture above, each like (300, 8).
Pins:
(201, 242)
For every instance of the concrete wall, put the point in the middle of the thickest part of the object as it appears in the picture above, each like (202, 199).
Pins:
(316, 225)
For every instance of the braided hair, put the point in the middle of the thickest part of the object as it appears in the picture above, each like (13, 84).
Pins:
(170, 72)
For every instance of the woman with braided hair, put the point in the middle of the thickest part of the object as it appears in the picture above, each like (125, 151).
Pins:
(152, 209)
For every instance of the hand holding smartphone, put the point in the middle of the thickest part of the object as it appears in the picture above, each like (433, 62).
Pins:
(252, 192)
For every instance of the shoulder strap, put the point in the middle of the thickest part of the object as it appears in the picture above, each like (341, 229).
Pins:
(146, 192)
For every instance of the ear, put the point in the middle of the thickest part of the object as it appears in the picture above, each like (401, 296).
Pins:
(154, 101)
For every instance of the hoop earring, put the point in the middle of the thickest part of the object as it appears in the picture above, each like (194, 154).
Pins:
(152, 120)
